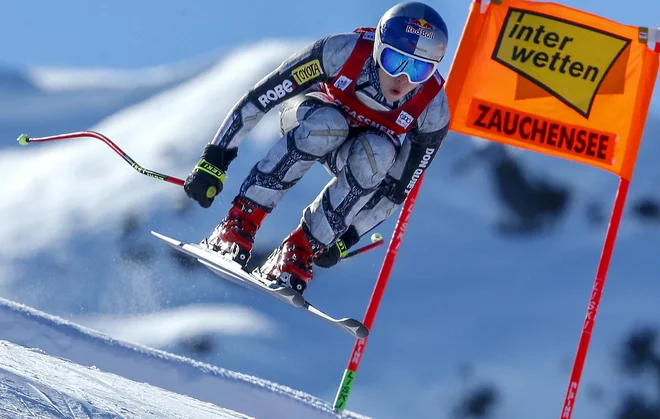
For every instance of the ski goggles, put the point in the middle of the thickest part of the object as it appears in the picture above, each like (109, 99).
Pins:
(395, 62)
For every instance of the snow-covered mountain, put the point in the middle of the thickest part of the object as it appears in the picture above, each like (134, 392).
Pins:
(475, 284)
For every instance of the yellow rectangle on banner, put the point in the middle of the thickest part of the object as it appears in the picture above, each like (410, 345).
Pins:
(580, 82)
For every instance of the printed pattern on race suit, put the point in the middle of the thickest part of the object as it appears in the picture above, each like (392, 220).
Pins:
(401, 178)
(372, 171)
(313, 131)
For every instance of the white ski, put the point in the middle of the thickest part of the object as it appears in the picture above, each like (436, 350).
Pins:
(232, 271)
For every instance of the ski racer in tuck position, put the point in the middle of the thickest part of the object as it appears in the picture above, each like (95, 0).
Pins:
(368, 105)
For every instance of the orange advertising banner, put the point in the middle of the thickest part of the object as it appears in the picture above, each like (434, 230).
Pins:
(555, 80)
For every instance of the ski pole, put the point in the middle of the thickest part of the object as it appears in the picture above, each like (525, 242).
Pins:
(23, 139)
(376, 241)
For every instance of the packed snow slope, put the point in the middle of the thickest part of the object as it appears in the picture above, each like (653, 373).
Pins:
(462, 296)
(75, 369)
(36, 385)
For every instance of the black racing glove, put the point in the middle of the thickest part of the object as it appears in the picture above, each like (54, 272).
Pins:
(207, 178)
(334, 253)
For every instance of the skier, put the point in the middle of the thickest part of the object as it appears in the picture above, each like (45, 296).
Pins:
(368, 105)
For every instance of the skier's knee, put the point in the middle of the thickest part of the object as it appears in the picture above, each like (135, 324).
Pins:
(317, 127)
(371, 156)
(378, 209)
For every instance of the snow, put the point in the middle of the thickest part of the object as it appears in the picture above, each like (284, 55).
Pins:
(79, 369)
(58, 79)
(181, 323)
(75, 222)
(36, 385)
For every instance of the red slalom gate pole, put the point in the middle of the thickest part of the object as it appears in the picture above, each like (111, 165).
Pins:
(594, 301)
(358, 350)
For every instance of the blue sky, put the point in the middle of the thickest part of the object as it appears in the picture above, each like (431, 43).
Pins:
(132, 34)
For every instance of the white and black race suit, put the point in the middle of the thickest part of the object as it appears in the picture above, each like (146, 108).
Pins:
(333, 111)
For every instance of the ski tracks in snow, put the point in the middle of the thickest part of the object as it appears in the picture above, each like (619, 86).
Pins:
(34, 385)
(24, 399)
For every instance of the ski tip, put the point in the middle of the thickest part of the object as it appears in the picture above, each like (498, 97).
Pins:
(160, 236)
(355, 327)
(362, 333)
(166, 239)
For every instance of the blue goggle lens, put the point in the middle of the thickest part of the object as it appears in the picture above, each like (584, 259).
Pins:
(395, 63)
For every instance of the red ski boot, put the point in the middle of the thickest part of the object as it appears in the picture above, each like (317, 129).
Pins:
(291, 263)
(234, 236)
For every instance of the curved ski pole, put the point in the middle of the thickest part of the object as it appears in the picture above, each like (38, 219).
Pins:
(376, 241)
(23, 139)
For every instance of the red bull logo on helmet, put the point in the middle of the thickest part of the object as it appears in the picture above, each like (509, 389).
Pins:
(420, 27)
